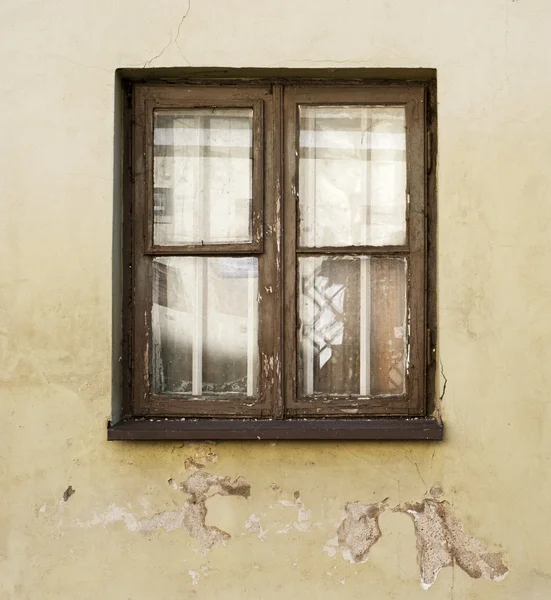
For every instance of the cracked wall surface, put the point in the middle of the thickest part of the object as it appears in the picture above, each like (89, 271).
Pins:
(244, 520)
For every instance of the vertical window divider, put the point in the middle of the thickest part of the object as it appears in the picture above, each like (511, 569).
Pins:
(365, 270)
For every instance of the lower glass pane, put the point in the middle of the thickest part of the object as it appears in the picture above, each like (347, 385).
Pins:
(352, 338)
(205, 326)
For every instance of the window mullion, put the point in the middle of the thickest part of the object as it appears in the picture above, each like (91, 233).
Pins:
(365, 270)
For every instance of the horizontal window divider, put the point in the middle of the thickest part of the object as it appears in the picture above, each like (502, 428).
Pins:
(352, 250)
(206, 250)
(172, 105)
(203, 96)
(426, 428)
(354, 400)
(348, 412)
(205, 406)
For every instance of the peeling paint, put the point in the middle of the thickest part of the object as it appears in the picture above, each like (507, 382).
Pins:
(443, 542)
(253, 525)
(190, 464)
(167, 520)
(201, 456)
(303, 521)
(196, 576)
(360, 530)
(68, 493)
(200, 486)
(331, 546)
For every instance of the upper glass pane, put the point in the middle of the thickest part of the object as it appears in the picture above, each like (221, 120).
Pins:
(203, 161)
(352, 176)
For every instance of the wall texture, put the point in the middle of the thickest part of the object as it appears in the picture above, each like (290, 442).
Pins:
(84, 518)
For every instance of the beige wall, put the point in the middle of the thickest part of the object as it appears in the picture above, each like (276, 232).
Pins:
(122, 534)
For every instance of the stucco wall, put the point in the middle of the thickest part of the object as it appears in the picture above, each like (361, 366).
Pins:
(122, 534)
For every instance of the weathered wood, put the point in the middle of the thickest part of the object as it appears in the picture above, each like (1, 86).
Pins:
(431, 262)
(413, 98)
(127, 252)
(275, 101)
(353, 250)
(416, 232)
(290, 429)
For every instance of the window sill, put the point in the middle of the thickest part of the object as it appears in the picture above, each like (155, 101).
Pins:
(425, 428)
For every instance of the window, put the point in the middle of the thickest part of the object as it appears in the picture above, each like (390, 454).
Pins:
(278, 259)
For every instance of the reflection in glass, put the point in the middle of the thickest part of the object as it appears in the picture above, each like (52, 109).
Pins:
(352, 337)
(352, 175)
(202, 176)
(204, 322)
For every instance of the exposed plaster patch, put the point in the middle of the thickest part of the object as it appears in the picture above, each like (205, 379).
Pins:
(68, 493)
(194, 522)
(443, 542)
(253, 525)
(201, 486)
(360, 530)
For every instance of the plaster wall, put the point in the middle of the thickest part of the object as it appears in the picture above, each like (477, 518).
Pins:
(121, 531)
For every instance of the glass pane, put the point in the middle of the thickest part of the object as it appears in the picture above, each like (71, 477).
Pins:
(203, 176)
(352, 175)
(205, 325)
(352, 337)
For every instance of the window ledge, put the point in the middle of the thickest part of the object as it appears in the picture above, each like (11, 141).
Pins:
(425, 428)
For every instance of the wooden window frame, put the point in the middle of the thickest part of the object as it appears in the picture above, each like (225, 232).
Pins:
(278, 412)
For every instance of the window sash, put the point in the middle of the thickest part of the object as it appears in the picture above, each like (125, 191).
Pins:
(413, 401)
(148, 98)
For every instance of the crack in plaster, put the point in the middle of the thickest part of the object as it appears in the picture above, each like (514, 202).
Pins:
(147, 63)
(441, 398)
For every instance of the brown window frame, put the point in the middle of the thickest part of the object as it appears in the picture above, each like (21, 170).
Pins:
(279, 412)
